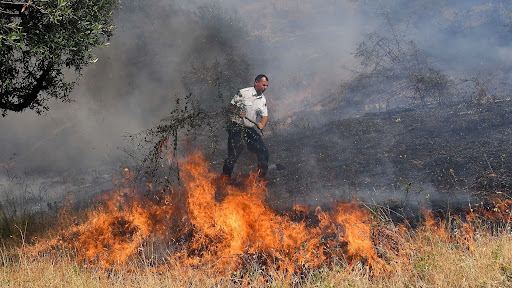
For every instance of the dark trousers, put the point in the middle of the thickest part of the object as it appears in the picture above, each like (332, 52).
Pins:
(239, 137)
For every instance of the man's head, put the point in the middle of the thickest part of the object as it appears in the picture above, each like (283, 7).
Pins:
(260, 84)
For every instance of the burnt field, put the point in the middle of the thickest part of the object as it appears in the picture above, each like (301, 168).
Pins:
(436, 157)
(444, 160)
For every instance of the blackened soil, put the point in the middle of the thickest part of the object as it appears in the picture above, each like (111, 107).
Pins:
(442, 155)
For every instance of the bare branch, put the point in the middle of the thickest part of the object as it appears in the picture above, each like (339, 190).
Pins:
(14, 8)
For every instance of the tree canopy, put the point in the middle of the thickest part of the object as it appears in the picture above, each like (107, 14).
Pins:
(41, 42)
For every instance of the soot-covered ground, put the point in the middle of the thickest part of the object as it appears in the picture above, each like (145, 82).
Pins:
(433, 157)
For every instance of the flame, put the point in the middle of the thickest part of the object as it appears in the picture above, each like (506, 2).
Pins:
(227, 233)
(244, 224)
(116, 231)
(501, 211)
(242, 230)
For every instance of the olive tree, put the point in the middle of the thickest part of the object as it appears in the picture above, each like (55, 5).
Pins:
(42, 43)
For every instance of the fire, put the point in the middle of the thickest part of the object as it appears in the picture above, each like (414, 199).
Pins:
(244, 224)
(116, 230)
(241, 230)
(226, 233)
(112, 234)
(501, 211)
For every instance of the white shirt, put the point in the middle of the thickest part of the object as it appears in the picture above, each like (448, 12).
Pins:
(252, 104)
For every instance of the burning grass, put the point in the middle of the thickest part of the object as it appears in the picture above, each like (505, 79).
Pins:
(190, 237)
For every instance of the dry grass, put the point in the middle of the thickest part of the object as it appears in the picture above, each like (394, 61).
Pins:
(434, 261)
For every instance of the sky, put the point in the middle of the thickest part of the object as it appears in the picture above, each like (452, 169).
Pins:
(306, 47)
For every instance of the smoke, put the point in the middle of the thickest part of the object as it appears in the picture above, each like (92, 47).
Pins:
(304, 47)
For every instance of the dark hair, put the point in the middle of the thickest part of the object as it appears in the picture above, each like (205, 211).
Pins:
(258, 78)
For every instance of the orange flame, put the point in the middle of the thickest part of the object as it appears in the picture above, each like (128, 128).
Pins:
(501, 211)
(244, 224)
(226, 234)
(242, 230)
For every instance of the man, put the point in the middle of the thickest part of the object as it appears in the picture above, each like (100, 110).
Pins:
(249, 108)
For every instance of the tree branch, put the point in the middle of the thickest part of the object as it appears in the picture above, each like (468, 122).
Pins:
(31, 96)
(14, 6)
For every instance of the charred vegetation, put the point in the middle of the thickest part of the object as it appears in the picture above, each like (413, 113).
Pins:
(453, 150)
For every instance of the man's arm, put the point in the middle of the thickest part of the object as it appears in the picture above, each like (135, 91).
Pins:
(263, 122)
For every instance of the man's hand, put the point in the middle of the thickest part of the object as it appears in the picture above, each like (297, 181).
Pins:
(263, 122)
(260, 125)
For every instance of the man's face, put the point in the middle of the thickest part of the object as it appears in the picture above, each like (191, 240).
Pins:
(261, 86)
